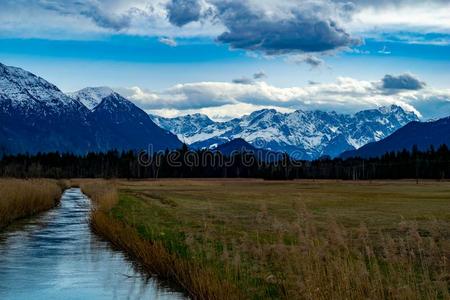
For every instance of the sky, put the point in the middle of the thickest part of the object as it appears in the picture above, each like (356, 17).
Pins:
(230, 57)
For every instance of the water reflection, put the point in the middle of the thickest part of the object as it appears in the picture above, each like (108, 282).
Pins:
(55, 256)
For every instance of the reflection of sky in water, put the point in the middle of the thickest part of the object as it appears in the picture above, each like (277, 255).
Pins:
(56, 257)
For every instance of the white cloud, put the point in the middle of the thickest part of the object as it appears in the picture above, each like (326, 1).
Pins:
(225, 99)
(410, 21)
(168, 41)
(415, 16)
(220, 113)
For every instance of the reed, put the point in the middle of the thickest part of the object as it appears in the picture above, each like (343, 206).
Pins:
(195, 280)
(22, 198)
(245, 241)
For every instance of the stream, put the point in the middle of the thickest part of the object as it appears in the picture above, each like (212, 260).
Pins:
(56, 256)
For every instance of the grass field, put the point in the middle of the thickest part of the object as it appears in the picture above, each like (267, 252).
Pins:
(22, 198)
(297, 239)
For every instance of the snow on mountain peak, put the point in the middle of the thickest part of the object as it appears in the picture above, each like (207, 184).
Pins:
(91, 96)
(37, 117)
(27, 90)
(310, 134)
(184, 126)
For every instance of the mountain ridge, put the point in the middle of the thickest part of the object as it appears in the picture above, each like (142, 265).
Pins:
(91, 96)
(36, 116)
(303, 134)
(420, 134)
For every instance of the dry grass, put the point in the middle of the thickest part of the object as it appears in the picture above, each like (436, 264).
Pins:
(289, 240)
(23, 198)
(196, 281)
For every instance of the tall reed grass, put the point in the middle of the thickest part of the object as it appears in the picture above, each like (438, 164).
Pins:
(308, 262)
(302, 260)
(22, 198)
(298, 258)
(195, 280)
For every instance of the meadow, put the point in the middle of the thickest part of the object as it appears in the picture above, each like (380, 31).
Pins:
(254, 239)
(21, 198)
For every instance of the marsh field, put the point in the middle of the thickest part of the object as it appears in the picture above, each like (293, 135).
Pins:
(255, 239)
(23, 198)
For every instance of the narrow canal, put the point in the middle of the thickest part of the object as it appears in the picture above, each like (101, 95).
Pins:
(56, 256)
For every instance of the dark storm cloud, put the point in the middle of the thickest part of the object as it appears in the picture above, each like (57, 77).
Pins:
(301, 29)
(269, 28)
(182, 12)
(402, 82)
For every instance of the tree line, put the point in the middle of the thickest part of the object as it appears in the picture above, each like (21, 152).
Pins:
(184, 163)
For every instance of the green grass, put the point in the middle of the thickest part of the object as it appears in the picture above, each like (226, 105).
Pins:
(302, 239)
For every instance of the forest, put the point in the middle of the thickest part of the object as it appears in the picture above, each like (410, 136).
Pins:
(184, 163)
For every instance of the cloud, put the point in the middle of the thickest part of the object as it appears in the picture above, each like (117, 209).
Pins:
(168, 41)
(218, 113)
(384, 51)
(311, 60)
(182, 12)
(94, 11)
(302, 28)
(93, 19)
(259, 75)
(183, 96)
(269, 26)
(402, 82)
(243, 80)
(402, 20)
(343, 95)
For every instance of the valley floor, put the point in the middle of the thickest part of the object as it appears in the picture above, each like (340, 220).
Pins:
(287, 239)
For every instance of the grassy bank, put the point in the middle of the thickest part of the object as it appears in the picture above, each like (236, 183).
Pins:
(195, 280)
(311, 240)
(23, 198)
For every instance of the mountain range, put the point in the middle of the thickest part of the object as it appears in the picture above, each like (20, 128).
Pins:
(302, 134)
(35, 116)
(419, 134)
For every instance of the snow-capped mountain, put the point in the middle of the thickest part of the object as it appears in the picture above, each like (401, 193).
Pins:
(420, 134)
(91, 96)
(23, 90)
(122, 125)
(35, 116)
(183, 126)
(302, 134)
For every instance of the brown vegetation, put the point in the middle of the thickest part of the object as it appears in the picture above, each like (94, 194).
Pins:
(23, 198)
(196, 281)
(290, 240)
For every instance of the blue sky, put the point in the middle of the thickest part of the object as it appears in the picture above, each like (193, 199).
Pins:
(164, 57)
